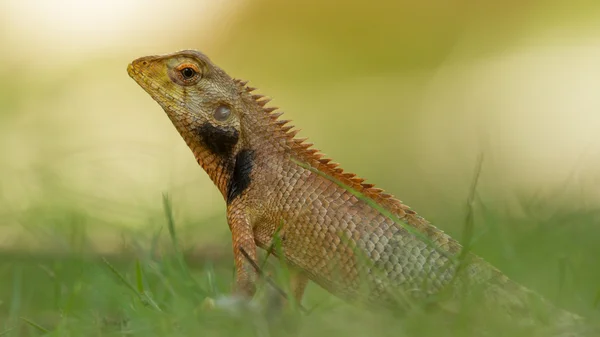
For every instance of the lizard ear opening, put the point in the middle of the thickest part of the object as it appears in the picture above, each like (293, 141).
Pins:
(222, 113)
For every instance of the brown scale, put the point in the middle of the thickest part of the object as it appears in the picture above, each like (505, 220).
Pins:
(328, 234)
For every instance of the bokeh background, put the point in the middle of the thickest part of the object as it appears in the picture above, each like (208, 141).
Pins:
(404, 93)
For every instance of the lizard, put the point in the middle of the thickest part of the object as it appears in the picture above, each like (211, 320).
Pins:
(334, 229)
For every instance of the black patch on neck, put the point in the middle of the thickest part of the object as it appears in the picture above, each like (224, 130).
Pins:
(240, 175)
(219, 140)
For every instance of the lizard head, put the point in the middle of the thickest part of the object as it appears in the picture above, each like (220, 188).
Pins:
(200, 99)
(205, 105)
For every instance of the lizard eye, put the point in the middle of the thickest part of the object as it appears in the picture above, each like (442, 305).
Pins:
(188, 73)
(222, 112)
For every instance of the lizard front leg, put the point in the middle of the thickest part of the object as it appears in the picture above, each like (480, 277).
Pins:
(242, 238)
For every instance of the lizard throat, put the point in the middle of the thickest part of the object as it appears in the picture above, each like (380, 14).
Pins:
(220, 141)
(240, 176)
(229, 170)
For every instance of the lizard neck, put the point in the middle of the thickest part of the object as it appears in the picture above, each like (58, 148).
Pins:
(218, 169)
(226, 156)
(215, 149)
(231, 175)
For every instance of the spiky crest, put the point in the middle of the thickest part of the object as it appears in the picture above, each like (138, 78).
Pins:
(305, 152)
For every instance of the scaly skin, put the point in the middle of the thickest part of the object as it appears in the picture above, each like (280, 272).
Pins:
(347, 236)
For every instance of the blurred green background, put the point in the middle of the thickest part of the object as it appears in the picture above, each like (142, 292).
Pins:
(404, 93)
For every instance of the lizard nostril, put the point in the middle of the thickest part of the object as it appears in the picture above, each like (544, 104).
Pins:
(144, 63)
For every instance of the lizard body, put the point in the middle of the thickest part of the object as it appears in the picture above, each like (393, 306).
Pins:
(351, 238)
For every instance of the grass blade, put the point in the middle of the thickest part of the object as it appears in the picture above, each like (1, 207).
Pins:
(142, 295)
(467, 239)
(179, 256)
(2, 333)
(170, 221)
(35, 325)
(210, 279)
(119, 276)
(154, 245)
(139, 277)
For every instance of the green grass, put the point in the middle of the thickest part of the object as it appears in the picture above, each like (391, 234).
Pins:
(157, 288)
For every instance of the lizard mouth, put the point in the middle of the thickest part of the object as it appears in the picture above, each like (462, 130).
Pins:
(131, 71)
(160, 95)
(138, 76)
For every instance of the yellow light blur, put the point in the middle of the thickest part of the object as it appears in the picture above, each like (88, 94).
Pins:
(72, 27)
